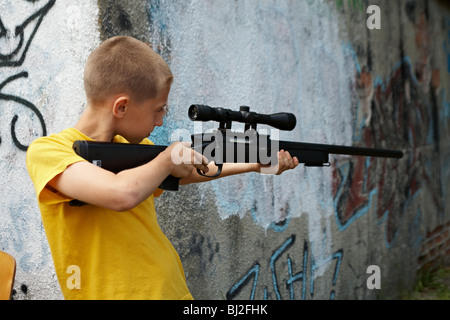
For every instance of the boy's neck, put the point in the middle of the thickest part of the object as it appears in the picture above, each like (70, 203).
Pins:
(96, 124)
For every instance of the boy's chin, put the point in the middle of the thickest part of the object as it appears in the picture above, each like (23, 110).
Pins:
(135, 141)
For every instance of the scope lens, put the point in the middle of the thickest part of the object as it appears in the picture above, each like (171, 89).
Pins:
(193, 112)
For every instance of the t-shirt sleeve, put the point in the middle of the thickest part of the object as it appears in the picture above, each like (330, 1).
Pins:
(46, 158)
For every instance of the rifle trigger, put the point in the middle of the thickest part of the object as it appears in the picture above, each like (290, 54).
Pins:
(219, 171)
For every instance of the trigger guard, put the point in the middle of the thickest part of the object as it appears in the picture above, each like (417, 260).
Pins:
(219, 171)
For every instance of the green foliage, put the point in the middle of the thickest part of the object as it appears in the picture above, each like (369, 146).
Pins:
(431, 285)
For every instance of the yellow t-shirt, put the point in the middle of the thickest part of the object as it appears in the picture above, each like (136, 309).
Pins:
(99, 253)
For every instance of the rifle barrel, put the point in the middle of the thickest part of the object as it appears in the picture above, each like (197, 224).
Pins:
(334, 149)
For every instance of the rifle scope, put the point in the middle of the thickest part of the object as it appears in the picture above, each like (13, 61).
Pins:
(282, 120)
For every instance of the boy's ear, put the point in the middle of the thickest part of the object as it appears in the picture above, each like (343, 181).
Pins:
(120, 107)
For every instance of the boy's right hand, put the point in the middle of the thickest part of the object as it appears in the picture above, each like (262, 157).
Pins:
(184, 159)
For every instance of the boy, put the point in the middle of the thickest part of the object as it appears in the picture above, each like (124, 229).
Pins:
(113, 247)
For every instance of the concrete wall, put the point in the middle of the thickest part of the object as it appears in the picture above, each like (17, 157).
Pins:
(308, 234)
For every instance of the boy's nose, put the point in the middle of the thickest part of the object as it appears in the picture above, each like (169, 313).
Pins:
(159, 123)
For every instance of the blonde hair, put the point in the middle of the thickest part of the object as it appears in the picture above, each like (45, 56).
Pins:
(123, 64)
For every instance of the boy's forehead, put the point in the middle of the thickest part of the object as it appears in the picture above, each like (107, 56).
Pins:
(164, 91)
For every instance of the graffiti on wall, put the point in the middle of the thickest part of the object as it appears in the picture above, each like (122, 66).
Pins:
(15, 42)
(295, 282)
(399, 113)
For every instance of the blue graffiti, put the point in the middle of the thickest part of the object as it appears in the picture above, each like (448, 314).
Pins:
(254, 271)
(301, 276)
(344, 172)
(288, 243)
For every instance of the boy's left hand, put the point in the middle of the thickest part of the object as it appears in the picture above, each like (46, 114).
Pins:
(285, 162)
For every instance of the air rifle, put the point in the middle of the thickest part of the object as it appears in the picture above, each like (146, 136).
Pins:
(224, 146)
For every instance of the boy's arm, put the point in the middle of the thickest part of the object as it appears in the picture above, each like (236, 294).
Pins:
(120, 192)
(285, 162)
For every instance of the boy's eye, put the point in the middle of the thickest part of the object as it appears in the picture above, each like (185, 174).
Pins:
(164, 109)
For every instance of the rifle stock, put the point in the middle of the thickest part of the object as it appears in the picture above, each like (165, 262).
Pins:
(116, 157)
